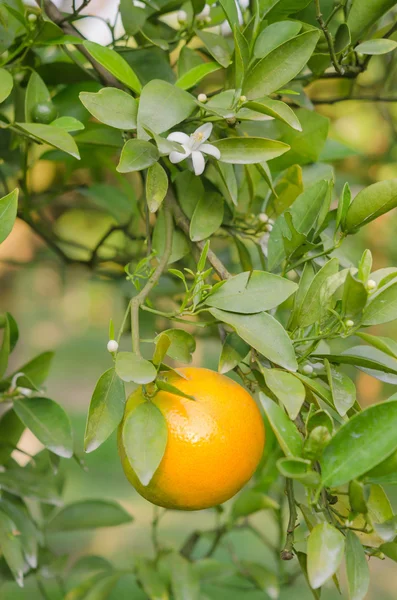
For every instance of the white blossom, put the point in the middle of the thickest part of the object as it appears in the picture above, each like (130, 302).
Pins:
(202, 97)
(195, 146)
(371, 284)
(112, 346)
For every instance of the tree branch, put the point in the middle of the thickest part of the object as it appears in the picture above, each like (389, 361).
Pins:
(183, 222)
(287, 552)
(55, 15)
(328, 37)
(347, 98)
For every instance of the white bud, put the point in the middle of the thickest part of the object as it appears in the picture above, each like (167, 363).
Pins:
(292, 275)
(349, 323)
(182, 16)
(243, 99)
(207, 20)
(268, 227)
(263, 218)
(307, 369)
(112, 346)
(32, 17)
(202, 98)
(371, 284)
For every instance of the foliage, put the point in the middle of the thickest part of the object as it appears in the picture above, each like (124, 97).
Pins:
(225, 200)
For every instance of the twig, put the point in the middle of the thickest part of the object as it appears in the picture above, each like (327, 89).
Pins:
(138, 300)
(183, 222)
(287, 552)
(328, 37)
(335, 99)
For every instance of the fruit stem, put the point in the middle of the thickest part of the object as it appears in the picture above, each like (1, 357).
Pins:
(138, 300)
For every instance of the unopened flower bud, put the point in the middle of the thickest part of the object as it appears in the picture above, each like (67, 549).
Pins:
(202, 98)
(112, 346)
(268, 227)
(182, 17)
(32, 17)
(243, 99)
(307, 369)
(207, 20)
(371, 284)
(349, 323)
(263, 218)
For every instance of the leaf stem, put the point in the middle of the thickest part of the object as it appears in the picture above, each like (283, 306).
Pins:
(138, 300)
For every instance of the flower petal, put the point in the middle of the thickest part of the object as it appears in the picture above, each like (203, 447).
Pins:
(211, 150)
(176, 157)
(205, 131)
(198, 162)
(178, 136)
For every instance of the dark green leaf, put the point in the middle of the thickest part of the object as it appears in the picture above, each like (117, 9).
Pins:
(132, 367)
(106, 410)
(249, 150)
(234, 350)
(274, 35)
(280, 66)
(217, 46)
(284, 429)
(312, 307)
(264, 333)
(251, 292)
(37, 369)
(115, 64)
(364, 13)
(48, 422)
(276, 109)
(207, 217)
(343, 206)
(28, 534)
(11, 548)
(89, 514)
(370, 360)
(360, 444)
(112, 107)
(8, 214)
(145, 440)
(156, 186)
(11, 429)
(172, 389)
(137, 155)
(36, 93)
(354, 296)
(6, 84)
(325, 549)
(133, 17)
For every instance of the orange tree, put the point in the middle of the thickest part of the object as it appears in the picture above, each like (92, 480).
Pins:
(195, 132)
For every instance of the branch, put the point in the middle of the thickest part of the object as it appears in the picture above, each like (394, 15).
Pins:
(183, 222)
(347, 98)
(328, 37)
(55, 15)
(138, 300)
(287, 552)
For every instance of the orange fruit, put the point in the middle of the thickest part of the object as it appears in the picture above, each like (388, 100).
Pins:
(214, 442)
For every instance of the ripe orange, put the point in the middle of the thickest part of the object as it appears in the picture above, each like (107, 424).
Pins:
(214, 443)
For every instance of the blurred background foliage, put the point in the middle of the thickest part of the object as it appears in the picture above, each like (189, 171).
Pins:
(67, 308)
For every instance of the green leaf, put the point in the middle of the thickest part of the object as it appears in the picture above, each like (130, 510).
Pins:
(101, 589)
(284, 429)
(176, 105)
(231, 12)
(89, 514)
(264, 333)
(8, 214)
(28, 534)
(114, 201)
(180, 245)
(182, 345)
(48, 422)
(302, 559)
(115, 64)
(234, 350)
(276, 109)
(150, 580)
(360, 444)
(156, 186)
(11, 547)
(364, 13)
(207, 217)
(137, 155)
(36, 369)
(54, 136)
(377, 46)
(325, 548)
(172, 389)
(281, 65)
(184, 579)
(11, 430)
(133, 17)
(251, 292)
(317, 387)
(106, 410)
(145, 439)
(312, 308)
(299, 469)
(217, 46)
(386, 345)
(354, 296)
(287, 388)
(68, 124)
(342, 389)
(249, 150)
(192, 77)
(365, 266)
(274, 35)
(132, 367)
(356, 567)
(369, 204)
(250, 502)
(382, 306)
(163, 342)
(112, 107)
(36, 93)
(6, 84)
(369, 360)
